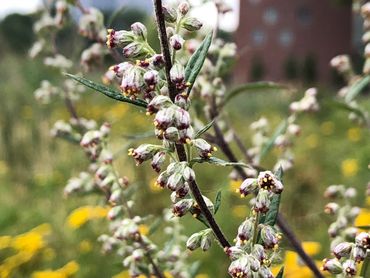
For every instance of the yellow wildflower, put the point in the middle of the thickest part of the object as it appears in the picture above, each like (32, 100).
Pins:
(327, 128)
(293, 266)
(349, 167)
(239, 211)
(312, 141)
(85, 246)
(234, 185)
(202, 275)
(143, 229)
(363, 219)
(81, 215)
(123, 274)
(167, 274)
(354, 134)
(153, 185)
(66, 271)
(5, 242)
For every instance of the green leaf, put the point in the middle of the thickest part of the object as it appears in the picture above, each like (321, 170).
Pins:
(204, 129)
(109, 92)
(270, 143)
(196, 61)
(255, 87)
(349, 108)
(154, 226)
(219, 162)
(194, 268)
(218, 201)
(280, 274)
(114, 15)
(365, 266)
(356, 88)
(270, 217)
(364, 227)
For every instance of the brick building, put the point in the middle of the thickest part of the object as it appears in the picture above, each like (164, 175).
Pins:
(291, 39)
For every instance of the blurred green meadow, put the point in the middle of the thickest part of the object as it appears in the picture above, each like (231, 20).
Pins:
(34, 169)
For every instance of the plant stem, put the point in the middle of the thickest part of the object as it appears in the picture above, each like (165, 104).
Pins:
(281, 222)
(179, 147)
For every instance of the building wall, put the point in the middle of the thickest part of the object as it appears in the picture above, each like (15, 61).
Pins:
(272, 31)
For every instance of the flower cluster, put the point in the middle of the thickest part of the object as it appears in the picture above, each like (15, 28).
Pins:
(349, 245)
(343, 65)
(256, 243)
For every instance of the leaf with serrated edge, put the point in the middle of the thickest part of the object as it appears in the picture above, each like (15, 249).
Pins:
(218, 201)
(109, 92)
(204, 129)
(262, 86)
(196, 61)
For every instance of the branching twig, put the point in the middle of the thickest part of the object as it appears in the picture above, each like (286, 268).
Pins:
(180, 148)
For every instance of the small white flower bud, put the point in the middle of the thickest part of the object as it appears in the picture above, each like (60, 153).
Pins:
(176, 41)
(194, 241)
(343, 249)
(170, 14)
(333, 266)
(183, 7)
(192, 24)
(139, 30)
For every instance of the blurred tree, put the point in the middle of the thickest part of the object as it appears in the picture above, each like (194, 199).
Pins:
(16, 29)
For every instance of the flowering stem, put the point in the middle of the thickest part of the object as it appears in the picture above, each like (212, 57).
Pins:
(180, 148)
(255, 231)
(281, 222)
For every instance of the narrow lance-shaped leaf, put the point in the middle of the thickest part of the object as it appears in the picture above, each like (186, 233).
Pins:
(254, 87)
(365, 269)
(271, 216)
(196, 61)
(204, 129)
(218, 201)
(349, 108)
(357, 88)
(270, 143)
(109, 92)
(281, 273)
(219, 162)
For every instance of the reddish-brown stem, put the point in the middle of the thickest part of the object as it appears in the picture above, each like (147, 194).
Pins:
(180, 148)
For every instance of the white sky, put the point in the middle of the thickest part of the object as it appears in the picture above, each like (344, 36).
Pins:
(206, 13)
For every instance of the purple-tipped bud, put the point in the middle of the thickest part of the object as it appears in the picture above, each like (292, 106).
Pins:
(349, 267)
(183, 101)
(248, 186)
(114, 212)
(206, 240)
(358, 254)
(268, 181)
(177, 73)
(240, 268)
(363, 240)
(245, 231)
(172, 134)
(139, 30)
(175, 181)
(234, 252)
(144, 152)
(192, 24)
(205, 150)
(157, 103)
(184, 8)
(170, 14)
(151, 77)
(333, 266)
(343, 249)
(162, 179)
(265, 272)
(254, 263)
(115, 197)
(262, 201)
(133, 50)
(182, 119)
(183, 190)
(164, 118)
(119, 38)
(182, 207)
(176, 41)
(157, 61)
(158, 160)
(132, 83)
(259, 253)
(194, 241)
(269, 237)
(188, 174)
